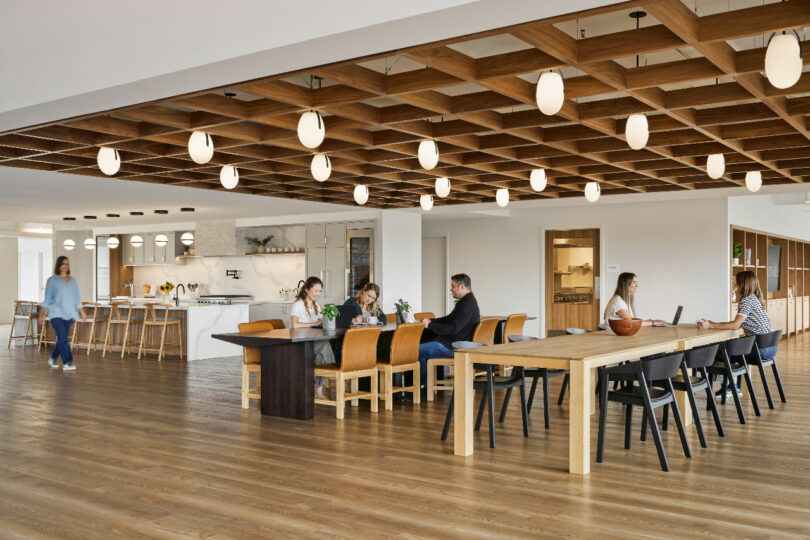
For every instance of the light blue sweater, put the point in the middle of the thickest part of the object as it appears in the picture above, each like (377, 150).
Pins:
(62, 299)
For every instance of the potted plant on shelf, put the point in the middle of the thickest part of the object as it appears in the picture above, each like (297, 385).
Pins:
(736, 252)
(261, 244)
(330, 313)
(404, 313)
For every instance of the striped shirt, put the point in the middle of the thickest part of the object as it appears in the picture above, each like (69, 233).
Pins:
(756, 319)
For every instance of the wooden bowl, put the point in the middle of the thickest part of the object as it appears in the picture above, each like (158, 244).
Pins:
(625, 327)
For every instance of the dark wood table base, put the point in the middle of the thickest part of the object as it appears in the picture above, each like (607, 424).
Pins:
(288, 380)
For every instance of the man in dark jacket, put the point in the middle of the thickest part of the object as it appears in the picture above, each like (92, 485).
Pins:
(458, 326)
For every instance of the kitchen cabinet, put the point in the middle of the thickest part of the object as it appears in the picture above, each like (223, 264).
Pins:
(127, 255)
(149, 253)
(148, 249)
(777, 313)
(330, 235)
(261, 311)
(326, 259)
(165, 254)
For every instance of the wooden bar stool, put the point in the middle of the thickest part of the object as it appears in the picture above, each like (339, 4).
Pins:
(127, 320)
(404, 357)
(92, 320)
(24, 310)
(252, 360)
(46, 335)
(163, 322)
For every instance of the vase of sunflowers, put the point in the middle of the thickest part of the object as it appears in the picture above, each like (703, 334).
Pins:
(165, 290)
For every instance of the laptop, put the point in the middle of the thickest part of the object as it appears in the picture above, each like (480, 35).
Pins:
(675, 319)
(345, 316)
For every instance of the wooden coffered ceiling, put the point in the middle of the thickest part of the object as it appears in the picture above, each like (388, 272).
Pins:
(699, 82)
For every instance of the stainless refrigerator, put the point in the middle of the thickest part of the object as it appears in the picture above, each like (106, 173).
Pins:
(359, 259)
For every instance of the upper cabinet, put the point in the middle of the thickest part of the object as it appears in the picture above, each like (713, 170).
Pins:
(329, 235)
(149, 253)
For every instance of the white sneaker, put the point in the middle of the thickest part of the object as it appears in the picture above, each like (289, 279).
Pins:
(53, 363)
(68, 367)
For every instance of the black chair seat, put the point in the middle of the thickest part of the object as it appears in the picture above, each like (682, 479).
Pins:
(730, 363)
(634, 394)
(763, 341)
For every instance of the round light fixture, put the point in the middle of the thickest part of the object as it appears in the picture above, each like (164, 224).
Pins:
(161, 240)
(502, 197)
(753, 180)
(113, 242)
(109, 160)
(136, 240)
(200, 147)
(229, 177)
(428, 154)
(637, 131)
(592, 191)
(69, 244)
(321, 167)
(426, 202)
(360, 194)
(90, 243)
(443, 187)
(311, 129)
(187, 238)
(715, 166)
(550, 93)
(537, 179)
(783, 61)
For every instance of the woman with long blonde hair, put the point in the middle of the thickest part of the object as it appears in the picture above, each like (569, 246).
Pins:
(622, 305)
(366, 305)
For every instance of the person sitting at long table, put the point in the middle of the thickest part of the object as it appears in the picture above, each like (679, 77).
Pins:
(622, 305)
(366, 308)
(305, 313)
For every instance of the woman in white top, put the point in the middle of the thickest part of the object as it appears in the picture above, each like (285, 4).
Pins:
(623, 303)
(304, 313)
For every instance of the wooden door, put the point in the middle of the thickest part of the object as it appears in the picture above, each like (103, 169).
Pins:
(572, 279)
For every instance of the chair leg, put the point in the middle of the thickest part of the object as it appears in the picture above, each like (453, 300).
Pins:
(125, 343)
(162, 342)
(729, 376)
(690, 393)
(340, 396)
(628, 425)
(375, 395)
(417, 394)
(778, 382)
(765, 384)
(505, 405)
(531, 395)
(90, 338)
(355, 385)
(713, 406)
(431, 381)
(480, 417)
(491, 392)
(750, 384)
(245, 387)
(387, 380)
(676, 412)
(659, 444)
(562, 390)
(546, 419)
(106, 340)
(449, 416)
(600, 445)
(524, 413)
(643, 436)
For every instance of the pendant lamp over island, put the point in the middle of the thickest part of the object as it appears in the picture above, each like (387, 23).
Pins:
(69, 244)
(200, 147)
(113, 242)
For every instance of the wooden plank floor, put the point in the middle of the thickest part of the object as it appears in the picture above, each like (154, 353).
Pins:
(137, 449)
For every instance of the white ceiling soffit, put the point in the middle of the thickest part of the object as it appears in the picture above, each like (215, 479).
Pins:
(64, 59)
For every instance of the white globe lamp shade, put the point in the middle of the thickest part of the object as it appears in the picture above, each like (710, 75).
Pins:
(715, 166)
(428, 154)
(136, 240)
(360, 194)
(109, 160)
(113, 242)
(783, 61)
(426, 202)
(229, 177)
(550, 93)
(753, 181)
(321, 167)
(161, 240)
(90, 243)
(538, 180)
(637, 131)
(69, 244)
(200, 147)
(443, 187)
(187, 238)
(311, 129)
(592, 191)
(502, 197)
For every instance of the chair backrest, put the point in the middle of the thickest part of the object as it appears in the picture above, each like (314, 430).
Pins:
(466, 344)
(94, 305)
(405, 344)
(359, 349)
(740, 346)
(701, 357)
(253, 355)
(115, 311)
(571, 331)
(390, 318)
(515, 339)
(153, 312)
(514, 324)
(662, 367)
(485, 330)
(424, 315)
(770, 339)
(277, 324)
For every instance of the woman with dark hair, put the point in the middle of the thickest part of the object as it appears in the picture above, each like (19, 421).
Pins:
(62, 302)
(305, 312)
(622, 305)
(366, 308)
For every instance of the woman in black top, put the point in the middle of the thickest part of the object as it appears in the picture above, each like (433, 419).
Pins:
(366, 306)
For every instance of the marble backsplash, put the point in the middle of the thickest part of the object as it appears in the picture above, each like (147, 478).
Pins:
(261, 276)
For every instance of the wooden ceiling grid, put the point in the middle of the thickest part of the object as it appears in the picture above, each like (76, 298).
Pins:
(482, 112)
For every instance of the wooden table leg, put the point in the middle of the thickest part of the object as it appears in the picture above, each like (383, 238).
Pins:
(594, 380)
(684, 406)
(579, 429)
(463, 405)
(288, 380)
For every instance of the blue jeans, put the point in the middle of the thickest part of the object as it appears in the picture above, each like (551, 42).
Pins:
(62, 348)
(431, 349)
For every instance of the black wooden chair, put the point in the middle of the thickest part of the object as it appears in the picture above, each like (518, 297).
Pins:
(536, 374)
(762, 341)
(489, 384)
(662, 369)
(730, 363)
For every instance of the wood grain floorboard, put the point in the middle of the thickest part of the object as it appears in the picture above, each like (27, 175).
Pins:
(135, 449)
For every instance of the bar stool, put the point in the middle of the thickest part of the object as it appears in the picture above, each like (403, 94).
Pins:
(116, 318)
(91, 320)
(46, 335)
(154, 320)
(404, 356)
(252, 361)
(24, 310)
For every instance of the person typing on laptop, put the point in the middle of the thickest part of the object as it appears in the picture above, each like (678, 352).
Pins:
(622, 305)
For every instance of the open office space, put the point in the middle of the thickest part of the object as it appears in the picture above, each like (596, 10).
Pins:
(422, 269)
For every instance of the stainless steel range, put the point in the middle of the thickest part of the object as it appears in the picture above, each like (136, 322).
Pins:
(221, 299)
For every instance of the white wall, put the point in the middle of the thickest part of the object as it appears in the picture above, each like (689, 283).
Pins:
(400, 274)
(763, 213)
(677, 248)
(35, 266)
(8, 277)
(82, 260)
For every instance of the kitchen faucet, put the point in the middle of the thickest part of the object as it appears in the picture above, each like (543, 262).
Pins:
(131, 285)
(177, 294)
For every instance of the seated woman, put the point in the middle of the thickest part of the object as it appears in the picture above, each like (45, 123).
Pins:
(622, 304)
(365, 304)
(305, 312)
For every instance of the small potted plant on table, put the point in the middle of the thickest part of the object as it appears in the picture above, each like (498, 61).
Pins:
(330, 313)
(404, 313)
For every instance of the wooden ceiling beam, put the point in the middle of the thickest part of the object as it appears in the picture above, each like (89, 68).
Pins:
(756, 20)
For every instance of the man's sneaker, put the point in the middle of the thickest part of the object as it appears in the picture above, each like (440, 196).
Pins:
(68, 367)
(739, 391)
(53, 363)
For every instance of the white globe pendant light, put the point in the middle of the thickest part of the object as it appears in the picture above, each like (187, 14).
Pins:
(637, 131)
(69, 244)
(753, 181)
(187, 238)
(90, 243)
(715, 166)
(550, 93)
(592, 191)
(136, 240)
(783, 61)
(229, 177)
(360, 194)
(443, 187)
(321, 167)
(113, 242)
(428, 154)
(538, 180)
(200, 147)
(161, 240)
(502, 197)
(426, 202)
(109, 160)
(311, 129)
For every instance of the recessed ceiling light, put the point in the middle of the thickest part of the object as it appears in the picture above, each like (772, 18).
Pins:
(161, 211)
(186, 209)
(113, 215)
(136, 213)
(89, 217)
(68, 219)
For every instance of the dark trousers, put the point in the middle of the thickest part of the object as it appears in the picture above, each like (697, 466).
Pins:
(62, 348)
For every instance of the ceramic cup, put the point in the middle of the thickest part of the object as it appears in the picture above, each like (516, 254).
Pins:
(372, 320)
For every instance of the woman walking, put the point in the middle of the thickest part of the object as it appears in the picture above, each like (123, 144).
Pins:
(62, 303)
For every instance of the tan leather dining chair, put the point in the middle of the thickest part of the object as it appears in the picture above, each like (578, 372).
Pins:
(514, 326)
(252, 361)
(358, 359)
(425, 315)
(390, 318)
(404, 357)
(277, 324)
(484, 333)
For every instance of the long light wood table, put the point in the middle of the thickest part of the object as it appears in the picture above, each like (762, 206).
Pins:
(580, 355)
